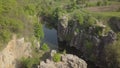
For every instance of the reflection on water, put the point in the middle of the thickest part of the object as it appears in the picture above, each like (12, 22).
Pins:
(50, 37)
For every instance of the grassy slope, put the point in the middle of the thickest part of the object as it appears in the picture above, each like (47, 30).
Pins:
(105, 11)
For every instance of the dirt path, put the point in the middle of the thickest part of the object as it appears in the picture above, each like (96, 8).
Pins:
(104, 8)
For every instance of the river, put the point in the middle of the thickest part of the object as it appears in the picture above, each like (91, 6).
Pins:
(50, 37)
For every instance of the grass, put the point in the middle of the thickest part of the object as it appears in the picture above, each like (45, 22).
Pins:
(94, 4)
(114, 2)
(107, 14)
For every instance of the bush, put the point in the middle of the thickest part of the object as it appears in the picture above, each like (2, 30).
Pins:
(29, 62)
(38, 31)
(45, 47)
(79, 18)
(57, 57)
(5, 36)
(30, 9)
(99, 3)
(106, 2)
(91, 20)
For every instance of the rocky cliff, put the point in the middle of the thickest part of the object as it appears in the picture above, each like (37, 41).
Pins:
(67, 61)
(15, 49)
(89, 39)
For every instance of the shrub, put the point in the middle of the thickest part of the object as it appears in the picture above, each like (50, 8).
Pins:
(91, 20)
(5, 36)
(99, 3)
(29, 62)
(106, 2)
(57, 57)
(45, 47)
(30, 9)
(72, 6)
(79, 18)
(38, 31)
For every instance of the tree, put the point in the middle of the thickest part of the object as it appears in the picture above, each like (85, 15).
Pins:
(79, 18)
(38, 31)
(45, 47)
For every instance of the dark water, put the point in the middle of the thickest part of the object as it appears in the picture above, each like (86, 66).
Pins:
(50, 36)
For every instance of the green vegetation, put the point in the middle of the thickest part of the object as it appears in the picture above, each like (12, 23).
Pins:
(107, 14)
(29, 62)
(18, 17)
(45, 47)
(98, 3)
(112, 52)
(38, 32)
(57, 57)
(91, 20)
(79, 18)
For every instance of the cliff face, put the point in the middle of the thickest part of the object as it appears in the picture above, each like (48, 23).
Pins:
(15, 49)
(90, 40)
(115, 23)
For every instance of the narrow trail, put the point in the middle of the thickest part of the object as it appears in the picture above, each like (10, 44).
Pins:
(104, 8)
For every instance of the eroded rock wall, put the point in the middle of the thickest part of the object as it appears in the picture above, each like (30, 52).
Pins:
(15, 49)
(90, 40)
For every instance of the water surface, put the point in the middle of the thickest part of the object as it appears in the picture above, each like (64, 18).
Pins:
(50, 36)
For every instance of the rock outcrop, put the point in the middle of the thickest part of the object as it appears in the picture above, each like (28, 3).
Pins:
(15, 49)
(67, 61)
(90, 40)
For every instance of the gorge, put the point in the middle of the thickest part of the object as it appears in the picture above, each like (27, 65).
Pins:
(59, 33)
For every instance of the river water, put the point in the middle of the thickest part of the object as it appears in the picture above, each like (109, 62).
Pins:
(50, 37)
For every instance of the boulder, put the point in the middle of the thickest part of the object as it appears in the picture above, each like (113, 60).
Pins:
(67, 61)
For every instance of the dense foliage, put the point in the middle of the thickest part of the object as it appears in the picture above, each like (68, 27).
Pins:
(38, 32)
(18, 17)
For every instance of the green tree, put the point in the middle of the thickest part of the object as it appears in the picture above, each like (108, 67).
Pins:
(79, 18)
(38, 31)
(45, 47)
(57, 57)
(30, 9)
